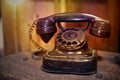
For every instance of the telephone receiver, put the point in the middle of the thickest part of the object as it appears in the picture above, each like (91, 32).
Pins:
(46, 27)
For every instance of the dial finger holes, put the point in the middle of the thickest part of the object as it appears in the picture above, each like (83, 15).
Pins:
(60, 40)
(64, 42)
(74, 43)
(68, 43)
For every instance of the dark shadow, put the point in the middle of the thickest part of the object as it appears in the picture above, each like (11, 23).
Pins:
(1, 53)
(99, 58)
(116, 60)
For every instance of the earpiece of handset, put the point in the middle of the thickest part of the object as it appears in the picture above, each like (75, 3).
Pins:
(101, 28)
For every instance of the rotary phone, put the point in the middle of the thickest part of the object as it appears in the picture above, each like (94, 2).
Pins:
(71, 53)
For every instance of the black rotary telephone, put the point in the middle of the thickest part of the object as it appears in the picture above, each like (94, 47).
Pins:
(71, 53)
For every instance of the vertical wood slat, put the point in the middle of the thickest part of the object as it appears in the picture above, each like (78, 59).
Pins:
(9, 23)
(15, 24)
(15, 28)
(113, 16)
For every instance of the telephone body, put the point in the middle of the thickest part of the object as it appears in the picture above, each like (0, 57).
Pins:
(71, 53)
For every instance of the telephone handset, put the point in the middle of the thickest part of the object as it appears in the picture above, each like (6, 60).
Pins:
(46, 27)
(71, 53)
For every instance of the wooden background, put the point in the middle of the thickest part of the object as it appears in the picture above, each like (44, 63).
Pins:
(17, 17)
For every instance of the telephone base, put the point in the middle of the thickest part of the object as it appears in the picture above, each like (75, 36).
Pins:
(86, 66)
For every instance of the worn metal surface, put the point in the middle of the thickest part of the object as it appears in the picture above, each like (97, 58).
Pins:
(21, 66)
